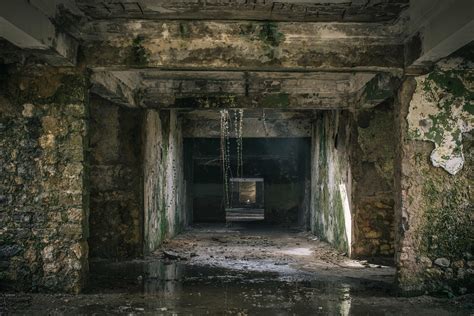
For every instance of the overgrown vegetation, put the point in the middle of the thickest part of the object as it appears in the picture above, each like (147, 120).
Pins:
(447, 230)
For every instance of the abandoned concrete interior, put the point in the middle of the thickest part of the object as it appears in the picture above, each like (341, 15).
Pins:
(308, 157)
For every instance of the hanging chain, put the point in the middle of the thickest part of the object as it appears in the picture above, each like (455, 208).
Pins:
(226, 123)
(240, 163)
(224, 153)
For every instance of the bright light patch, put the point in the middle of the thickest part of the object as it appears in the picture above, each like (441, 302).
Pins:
(298, 252)
(347, 216)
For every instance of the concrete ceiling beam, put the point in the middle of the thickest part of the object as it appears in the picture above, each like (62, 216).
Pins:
(287, 10)
(381, 87)
(243, 45)
(153, 88)
(120, 87)
(438, 28)
(28, 25)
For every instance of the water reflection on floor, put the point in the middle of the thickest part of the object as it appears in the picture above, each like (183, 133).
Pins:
(154, 287)
(176, 288)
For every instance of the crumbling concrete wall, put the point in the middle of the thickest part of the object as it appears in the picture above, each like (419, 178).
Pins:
(43, 179)
(164, 183)
(331, 179)
(435, 212)
(116, 216)
(372, 161)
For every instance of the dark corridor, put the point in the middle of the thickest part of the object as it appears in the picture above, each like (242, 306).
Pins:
(283, 164)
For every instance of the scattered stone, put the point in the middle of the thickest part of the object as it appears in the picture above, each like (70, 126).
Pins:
(442, 262)
(425, 261)
(28, 110)
(218, 240)
(173, 255)
(458, 264)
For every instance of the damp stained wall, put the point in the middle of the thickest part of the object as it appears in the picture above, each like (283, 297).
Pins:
(163, 175)
(435, 213)
(116, 212)
(372, 161)
(331, 179)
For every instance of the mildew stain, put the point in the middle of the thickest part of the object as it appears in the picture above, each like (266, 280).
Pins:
(440, 111)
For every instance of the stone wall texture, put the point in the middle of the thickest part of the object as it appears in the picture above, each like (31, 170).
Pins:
(43, 179)
(435, 219)
(372, 161)
(116, 212)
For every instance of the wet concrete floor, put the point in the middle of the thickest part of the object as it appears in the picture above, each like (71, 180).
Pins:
(241, 284)
(175, 288)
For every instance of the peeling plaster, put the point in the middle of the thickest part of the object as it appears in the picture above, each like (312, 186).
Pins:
(441, 110)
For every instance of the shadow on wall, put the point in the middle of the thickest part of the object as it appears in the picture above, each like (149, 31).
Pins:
(137, 180)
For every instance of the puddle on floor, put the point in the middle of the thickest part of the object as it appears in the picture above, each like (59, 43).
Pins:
(159, 287)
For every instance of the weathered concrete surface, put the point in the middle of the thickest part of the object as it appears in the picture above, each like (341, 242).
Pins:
(372, 161)
(255, 124)
(164, 184)
(437, 28)
(237, 89)
(243, 45)
(331, 180)
(442, 109)
(43, 179)
(289, 10)
(381, 87)
(31, 25)
(116, 211)
(434, 218)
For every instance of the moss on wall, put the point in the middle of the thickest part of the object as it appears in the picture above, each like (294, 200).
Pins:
(448, 230)
(330, 168)
(139, 55)
(43, 189)
(163, 166)
(270, 35)
(435, 224)
(441, 110)
(438, 241)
